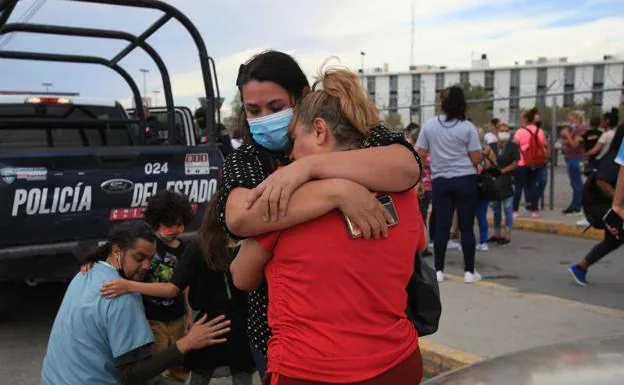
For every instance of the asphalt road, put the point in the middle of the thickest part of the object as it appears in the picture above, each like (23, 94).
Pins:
(532, 262)
(538, 263)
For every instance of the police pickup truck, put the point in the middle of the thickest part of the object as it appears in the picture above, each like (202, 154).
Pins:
(72, 167)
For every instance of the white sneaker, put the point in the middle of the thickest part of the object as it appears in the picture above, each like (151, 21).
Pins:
(472, 277)
(452, 245)
(483, 247)
(440, 276)
(582, 223)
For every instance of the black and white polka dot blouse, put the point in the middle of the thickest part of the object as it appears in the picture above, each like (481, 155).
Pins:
(247, 167)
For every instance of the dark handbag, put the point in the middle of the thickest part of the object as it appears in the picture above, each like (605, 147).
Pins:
(423, 298)
(494, 186)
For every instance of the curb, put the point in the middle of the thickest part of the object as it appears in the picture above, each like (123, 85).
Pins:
(438, 359)
(554, 227)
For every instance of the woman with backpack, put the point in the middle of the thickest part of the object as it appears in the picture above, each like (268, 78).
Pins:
(598, 195)
(533, 156)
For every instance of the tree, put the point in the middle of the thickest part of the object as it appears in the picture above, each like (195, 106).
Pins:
(231, 121)
(393, 121)
(479, 113)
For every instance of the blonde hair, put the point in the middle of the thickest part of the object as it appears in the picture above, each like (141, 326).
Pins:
(342, 103)
(579, 115)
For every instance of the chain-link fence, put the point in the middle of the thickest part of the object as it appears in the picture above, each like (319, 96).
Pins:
(554, 108)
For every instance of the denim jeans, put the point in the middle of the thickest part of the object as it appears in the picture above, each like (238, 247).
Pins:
(576, 182)
(482, 208)
(505, 206)
(449, 194)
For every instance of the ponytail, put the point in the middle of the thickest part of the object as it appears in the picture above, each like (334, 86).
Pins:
(343, 104)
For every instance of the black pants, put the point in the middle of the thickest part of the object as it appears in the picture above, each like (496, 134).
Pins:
(449, 194)
(527, 180)
(609, 244)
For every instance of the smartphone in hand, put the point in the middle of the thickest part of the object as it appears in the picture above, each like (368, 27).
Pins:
(614, 224)
(386, 200)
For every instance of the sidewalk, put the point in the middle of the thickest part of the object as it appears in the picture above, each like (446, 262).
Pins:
(554, 222)
(486, 319)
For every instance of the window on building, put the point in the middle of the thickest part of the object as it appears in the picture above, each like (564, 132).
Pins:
(489, 80)
(599, 75)
(416, 81)
(464, 77)
(597, 99)
(568, 97)
(370, 83)
(514, 102)
(515, 79)
(394, 84)
(439, 81)
(569, 75)
(394, 105)
(542, 77)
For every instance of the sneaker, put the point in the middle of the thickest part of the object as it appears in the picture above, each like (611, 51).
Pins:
(440, 276)
(427, 253)
(472, 277)
(582, 223)
(504, 241)
(535, 215)
(452, 245)
(483, 247)
(571, 211)
(516, 214)
(578, 274)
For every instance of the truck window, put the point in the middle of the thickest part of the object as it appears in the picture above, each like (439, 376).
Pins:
(46, 135)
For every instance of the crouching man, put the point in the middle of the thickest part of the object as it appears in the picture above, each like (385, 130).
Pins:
(97, 340)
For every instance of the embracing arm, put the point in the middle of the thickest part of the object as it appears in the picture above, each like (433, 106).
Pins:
(310, 201)
(116, 287)
(391, 168)
(248, 267)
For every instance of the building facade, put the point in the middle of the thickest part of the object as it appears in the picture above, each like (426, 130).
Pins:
(413, 94)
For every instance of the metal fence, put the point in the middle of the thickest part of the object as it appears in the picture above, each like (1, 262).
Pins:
(554, 108)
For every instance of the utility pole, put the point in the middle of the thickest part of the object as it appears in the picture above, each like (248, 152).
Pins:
(362, 54)
(155, 92)
(145, 71)
(47, 86)
(413, 32)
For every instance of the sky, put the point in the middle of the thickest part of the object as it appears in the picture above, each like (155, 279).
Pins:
(446, 32)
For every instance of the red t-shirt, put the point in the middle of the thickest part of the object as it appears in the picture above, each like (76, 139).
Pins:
(337, 305)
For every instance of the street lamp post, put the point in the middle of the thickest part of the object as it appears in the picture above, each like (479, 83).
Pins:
(145, 71)
(362, 54)
(47, 86)
(155, 92)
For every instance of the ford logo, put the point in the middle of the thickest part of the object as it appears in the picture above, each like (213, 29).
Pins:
(117, 186)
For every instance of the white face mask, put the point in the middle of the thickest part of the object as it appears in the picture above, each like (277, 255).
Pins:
(504, 136)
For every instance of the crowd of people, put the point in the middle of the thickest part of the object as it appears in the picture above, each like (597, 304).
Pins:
(300, 267)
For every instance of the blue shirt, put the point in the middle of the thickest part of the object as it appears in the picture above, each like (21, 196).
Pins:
(620, 155)
(90, 331)
(449, 144)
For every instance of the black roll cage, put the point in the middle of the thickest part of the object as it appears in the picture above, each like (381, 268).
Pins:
(208, 68)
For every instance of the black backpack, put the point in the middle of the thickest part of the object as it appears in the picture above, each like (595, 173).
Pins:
(595, 204)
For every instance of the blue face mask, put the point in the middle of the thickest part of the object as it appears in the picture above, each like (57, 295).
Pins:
(271, 131)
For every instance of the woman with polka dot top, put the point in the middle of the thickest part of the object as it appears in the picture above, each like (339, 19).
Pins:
(255, 199)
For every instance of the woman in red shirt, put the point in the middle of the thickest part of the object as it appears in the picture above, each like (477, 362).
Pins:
(337, 304)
